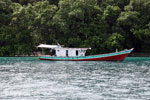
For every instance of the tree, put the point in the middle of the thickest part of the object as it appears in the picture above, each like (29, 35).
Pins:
(26, 2)
(80, 19)
(21, 24)
(6, 33)
(134, 21)
(103, 25)
(43, 23)
(115, 41)
(34, 22)
(110, 15)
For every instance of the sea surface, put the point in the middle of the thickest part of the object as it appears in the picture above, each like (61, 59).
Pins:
(28, 78)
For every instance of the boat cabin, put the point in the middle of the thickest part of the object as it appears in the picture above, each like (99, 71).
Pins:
(64, 51)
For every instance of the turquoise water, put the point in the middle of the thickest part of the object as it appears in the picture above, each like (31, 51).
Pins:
(27, 78)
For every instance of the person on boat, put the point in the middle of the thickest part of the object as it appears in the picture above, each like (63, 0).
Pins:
(51, 52)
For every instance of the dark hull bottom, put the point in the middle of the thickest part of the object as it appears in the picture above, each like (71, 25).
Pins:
(109, 58)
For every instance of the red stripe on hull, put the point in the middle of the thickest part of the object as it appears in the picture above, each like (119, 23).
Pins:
(110, 58)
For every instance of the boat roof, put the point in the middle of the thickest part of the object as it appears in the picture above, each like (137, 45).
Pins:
(75, 48)
(47, 46)
(57, 46)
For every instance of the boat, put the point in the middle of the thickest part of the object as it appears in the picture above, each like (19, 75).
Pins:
(78, 54)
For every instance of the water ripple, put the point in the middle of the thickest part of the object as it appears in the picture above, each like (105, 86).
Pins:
(44, 80)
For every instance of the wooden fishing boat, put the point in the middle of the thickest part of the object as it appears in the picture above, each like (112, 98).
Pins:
(78, 54)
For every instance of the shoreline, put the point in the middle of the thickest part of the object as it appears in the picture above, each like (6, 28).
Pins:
(139, 55)
(130, 55)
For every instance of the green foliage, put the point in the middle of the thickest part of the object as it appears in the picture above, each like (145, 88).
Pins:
(111, 14)
(115, 41)
(6, 41)
(103, 25)
(26, 2)
(128, 19)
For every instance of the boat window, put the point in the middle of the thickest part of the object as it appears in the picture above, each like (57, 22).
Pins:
(77, 53)
(67, 53)
(52, 52)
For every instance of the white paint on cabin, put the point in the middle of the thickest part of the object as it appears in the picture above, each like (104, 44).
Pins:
(66, 52)
(70, 52)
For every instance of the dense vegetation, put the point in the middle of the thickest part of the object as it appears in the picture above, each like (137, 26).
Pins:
(103, 25)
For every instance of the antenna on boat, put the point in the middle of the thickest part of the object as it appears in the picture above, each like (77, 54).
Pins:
(116, 50)
(58, 44)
